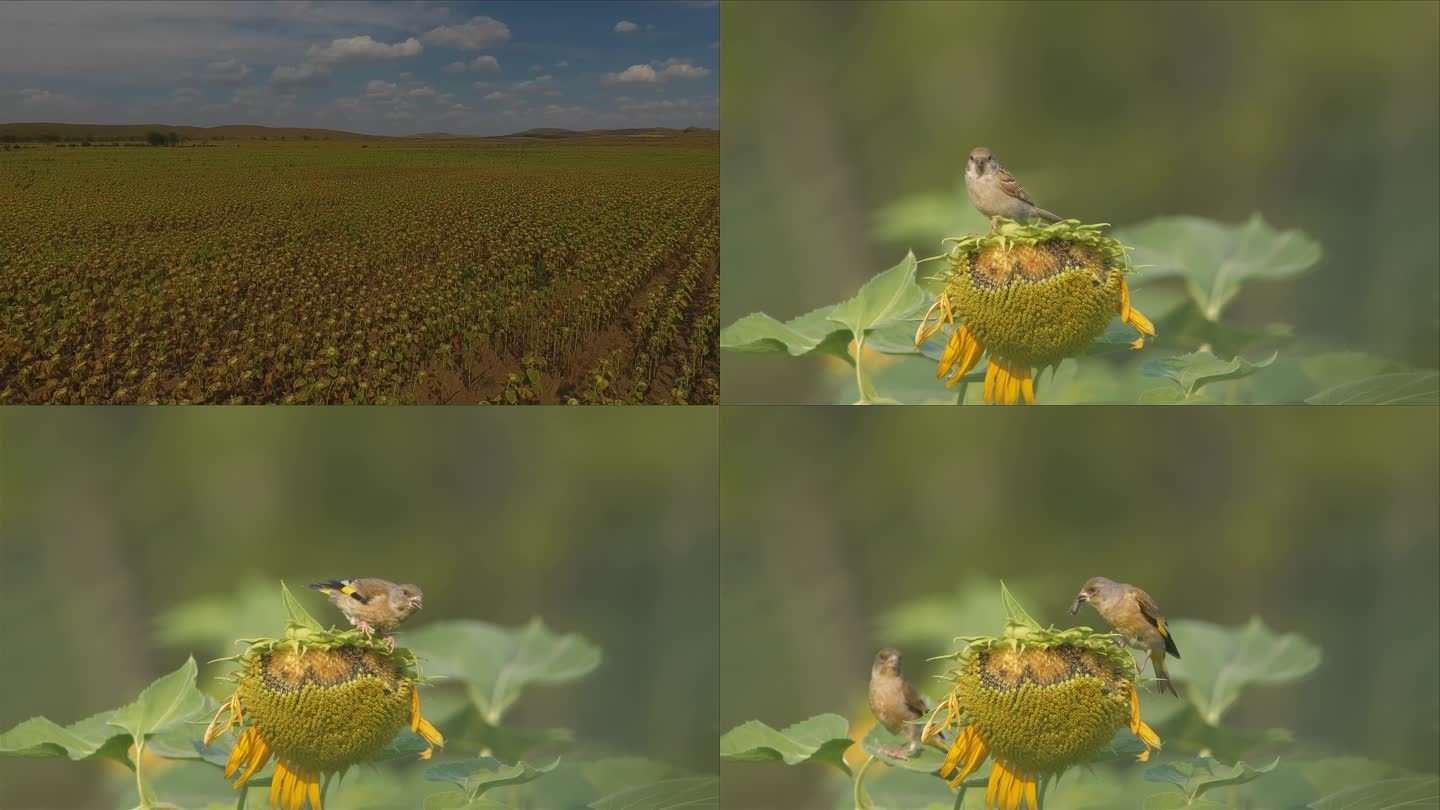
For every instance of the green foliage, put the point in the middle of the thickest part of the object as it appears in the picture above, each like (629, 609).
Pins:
(1220, 663)
(496, 664)
(823, 738)
(483, 761)
(1188, 271)
(1203, 763)
(697, 792)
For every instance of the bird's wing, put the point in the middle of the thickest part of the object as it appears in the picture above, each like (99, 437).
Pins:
(913, 701)
(1152, 614)
(351, 588)
(1011, 186)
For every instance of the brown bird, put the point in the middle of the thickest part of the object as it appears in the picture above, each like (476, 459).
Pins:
(1137, 619)
(996, 193)
(372, 603)
(895, 703)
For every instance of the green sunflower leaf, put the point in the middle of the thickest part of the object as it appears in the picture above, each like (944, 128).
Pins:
(690, 793)
(1196, 370)
(823, 738)
(1220, 662)
(887, 297)
(1217, 260)
(486, 773)
(1401, 388)
(1391, 794)
(168, 702)
(90, 738)
(1201, 774)
(497, 664)
(811, 333)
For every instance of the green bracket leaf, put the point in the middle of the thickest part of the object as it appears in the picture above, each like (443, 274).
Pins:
(296, 611)
(823, 738)
(1014, 612)
(90, 738)
(811, 333)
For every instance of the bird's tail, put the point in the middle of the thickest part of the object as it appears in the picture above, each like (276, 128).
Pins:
(1046, 215)
(1162, 677)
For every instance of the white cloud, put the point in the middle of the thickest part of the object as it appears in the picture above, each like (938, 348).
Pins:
(455, 67)
(562, 64)
(44, 98)
(423, 91)
(320, 59)
(363, 49)
(380, 89)
(307, 73)
(681, 69)
(532, 85)
(626, 27)
(227, 71)
(537, 68)
(397, 115)
(479, 32)
(185, 95)
(496, 96)
(635, 74)
(485, 64)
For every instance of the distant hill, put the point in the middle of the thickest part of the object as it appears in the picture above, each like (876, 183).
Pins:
(132, 132)
(555, 134)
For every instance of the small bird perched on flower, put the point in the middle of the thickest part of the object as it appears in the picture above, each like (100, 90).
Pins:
(895, 703)
(996, 193)
(373, 604)
(1136, 617)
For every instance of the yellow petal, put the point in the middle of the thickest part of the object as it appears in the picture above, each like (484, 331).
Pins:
(992, 788)
(277, 781)
(1027, 387)
(313, 790)
(1012, 385)
(258, 758)
(991, 372)
(951, 356)
(1030, 798)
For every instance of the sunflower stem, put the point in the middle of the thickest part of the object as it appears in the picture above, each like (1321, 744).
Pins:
(140, 780)
(862, 802)
(960, 797)
(960, 392)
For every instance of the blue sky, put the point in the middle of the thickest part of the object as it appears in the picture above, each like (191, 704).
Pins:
(470, 67)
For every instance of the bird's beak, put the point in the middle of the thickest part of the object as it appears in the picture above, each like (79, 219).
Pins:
(417, 602)
(1075, 606)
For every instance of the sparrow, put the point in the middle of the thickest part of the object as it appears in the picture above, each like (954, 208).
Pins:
(1137, 619)
(998, 194)
(372, 603)
(895, 703)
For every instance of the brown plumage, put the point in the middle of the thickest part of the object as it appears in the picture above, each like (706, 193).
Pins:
(895, 703)
(1136, 617)
(373, 604)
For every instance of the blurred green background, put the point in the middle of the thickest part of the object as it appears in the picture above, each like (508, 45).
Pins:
(848, 126)
(601, 522)
(846, 531)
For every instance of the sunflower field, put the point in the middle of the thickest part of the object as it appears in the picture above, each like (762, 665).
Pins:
(411, 272)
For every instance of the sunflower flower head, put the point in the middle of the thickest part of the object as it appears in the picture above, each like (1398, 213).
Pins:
(317, 702)
(1037, 701)
(1030, 296)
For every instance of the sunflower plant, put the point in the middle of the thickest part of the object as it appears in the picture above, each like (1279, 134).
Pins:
(1037, 716)
(318, 716)
(1071, 312)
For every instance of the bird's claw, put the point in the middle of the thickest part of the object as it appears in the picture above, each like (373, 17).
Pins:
(390, 641)
(897, 751)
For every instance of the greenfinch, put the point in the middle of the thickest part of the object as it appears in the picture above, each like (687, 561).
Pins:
(1136, 617)
(373, 604)
(895, 703)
